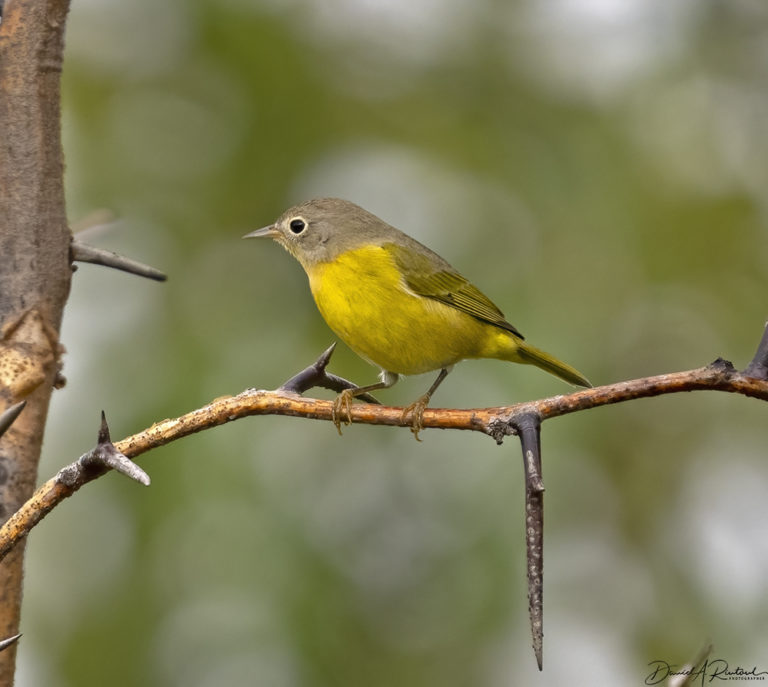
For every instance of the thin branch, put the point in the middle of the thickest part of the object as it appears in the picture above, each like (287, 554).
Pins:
(82, 252)
(496, 422)
(9, 415)
(719, 375)
(523, 419)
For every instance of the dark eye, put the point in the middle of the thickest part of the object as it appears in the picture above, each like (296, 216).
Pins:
(297, 225)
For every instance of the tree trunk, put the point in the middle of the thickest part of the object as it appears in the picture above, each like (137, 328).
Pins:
(34, 260)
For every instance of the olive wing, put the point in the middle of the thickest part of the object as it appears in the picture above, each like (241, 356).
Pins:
(427, 274)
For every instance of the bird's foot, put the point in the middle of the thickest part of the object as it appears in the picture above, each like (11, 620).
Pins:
(342, 409)
(416, 411)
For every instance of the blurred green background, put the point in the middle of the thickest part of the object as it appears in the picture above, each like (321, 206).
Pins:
(598, 167)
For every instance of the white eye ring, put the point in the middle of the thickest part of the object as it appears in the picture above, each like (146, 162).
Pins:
(297, 225)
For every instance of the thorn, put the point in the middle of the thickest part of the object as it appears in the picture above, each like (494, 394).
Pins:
(103, 437)
(532, 472)
(4, 644)
(758, 367)
(9, 415)
(528, 428)
(105, 455)
(316, 375)
(325, 357)
(82, 252)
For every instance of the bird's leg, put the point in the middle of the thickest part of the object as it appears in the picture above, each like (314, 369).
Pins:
(343, 402)
(416, 409)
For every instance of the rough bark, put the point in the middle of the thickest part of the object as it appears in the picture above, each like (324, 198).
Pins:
(34, 260)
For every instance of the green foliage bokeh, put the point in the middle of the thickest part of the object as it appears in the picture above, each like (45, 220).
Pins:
(597, 168)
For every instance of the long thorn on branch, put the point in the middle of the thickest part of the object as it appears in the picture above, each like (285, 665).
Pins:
(528, 427)
(102, 457)
(758, 368)
(9, 415)
(10, 641)
(82, 252)
(317, 375)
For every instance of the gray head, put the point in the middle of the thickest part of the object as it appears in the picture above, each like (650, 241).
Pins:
(321, 229)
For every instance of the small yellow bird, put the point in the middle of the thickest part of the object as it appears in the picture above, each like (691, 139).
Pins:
(396, 303)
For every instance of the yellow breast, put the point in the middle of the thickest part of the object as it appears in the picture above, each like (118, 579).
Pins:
(362, 297)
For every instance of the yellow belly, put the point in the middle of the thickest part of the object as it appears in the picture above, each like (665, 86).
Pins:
(362, 297)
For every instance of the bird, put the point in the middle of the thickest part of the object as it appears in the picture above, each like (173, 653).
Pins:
(396, 303)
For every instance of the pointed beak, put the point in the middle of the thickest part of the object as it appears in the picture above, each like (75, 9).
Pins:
(269, 232)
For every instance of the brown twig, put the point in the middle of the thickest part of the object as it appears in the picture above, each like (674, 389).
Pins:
(522, 419)
(496, 422)
(717, 376)
(82, 252)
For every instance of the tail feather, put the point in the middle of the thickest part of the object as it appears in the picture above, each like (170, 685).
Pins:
(533, 356)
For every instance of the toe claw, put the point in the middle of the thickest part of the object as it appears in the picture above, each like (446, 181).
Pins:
(342, 405)
(416, 411)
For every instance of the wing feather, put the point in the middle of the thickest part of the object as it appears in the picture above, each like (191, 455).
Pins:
(445, 285)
